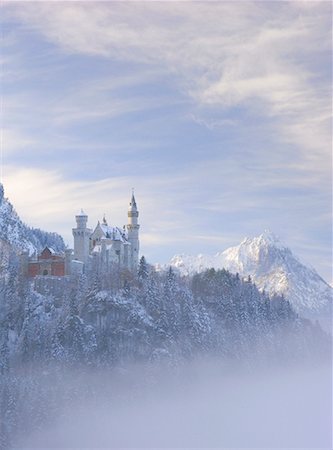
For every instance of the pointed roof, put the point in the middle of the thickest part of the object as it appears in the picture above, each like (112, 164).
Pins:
(113, 233)
(132, 205)
(81, 213)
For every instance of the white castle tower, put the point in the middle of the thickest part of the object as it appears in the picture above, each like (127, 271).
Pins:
(133, 233)
(81, 236)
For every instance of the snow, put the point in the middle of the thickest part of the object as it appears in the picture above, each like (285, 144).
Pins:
(52, 251)
(22, 238)
(114, 233)
(272, 266)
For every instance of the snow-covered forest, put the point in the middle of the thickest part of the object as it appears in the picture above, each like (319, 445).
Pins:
(104, 320)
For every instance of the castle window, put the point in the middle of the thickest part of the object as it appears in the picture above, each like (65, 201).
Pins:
(45, 272)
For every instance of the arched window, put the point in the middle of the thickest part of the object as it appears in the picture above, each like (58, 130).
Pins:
(45, 272)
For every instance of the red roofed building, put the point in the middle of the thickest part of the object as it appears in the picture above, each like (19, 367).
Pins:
(48, 263)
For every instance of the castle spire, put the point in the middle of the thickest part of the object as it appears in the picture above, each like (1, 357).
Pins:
(132, 205)
(133, 232)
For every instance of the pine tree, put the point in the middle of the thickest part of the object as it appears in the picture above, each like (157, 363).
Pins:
(169, 287)
(58, 352)
(162, 323)
(74, 332)
(127, 290)
(153, 299)
(143, 270)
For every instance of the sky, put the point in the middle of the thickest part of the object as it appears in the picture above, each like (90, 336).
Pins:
(217, 113)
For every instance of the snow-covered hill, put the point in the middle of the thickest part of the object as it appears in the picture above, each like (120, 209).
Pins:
(18, 236)
(272, 266)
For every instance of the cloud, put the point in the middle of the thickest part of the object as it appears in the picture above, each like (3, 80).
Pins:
(13, 141)
(246, 53)
(218, 111)
(44, 198)
(268, 59)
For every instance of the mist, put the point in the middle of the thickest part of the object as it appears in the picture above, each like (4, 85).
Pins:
(205, 404)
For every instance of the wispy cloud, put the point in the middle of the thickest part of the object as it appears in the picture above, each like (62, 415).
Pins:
(219, 112)
(15, 142)
(227, 54)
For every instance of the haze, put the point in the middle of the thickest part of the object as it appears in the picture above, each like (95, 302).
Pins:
(201, 405)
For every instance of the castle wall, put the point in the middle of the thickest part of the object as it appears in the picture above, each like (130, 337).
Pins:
(58, 269)
(46, 268)
(33, 269)
(47, 264)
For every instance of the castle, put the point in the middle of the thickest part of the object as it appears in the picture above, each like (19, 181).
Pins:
(111, 247)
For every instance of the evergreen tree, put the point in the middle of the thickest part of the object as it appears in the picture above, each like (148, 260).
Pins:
(58, 352)
(153, 300)
(143, 270)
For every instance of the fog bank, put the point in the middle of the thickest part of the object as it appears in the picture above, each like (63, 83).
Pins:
(201, 406)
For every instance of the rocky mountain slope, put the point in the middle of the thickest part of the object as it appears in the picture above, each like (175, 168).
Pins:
(16, 235)
(272, 266)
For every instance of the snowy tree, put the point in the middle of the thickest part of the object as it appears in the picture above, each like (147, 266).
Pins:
(4, 351)
(58, 352)
(152, 296)
(143, 270)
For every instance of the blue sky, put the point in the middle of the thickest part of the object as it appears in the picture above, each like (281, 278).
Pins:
(218, 113)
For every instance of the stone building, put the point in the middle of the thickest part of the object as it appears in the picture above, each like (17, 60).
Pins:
(111, 245)
(47, 263)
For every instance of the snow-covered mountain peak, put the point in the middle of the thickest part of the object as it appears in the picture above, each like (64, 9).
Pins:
(269, 237)
(272, 266)
(256, 255)
(266, 239)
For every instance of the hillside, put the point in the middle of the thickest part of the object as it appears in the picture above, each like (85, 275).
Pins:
(18, 236)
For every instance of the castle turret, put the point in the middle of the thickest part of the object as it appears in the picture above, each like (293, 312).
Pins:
(133, 234)
(81, 236)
